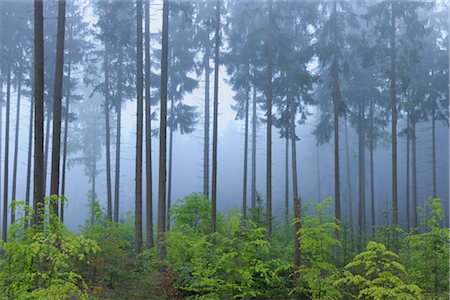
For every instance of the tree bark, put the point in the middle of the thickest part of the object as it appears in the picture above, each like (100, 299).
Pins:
(433, 147)
(269, 124)
(349, 182)
(5, 176)
(408, 206)
(206, 129)
(107, 135)
(361, 171)
(372, 179)
(16, 141)
(169, 179)
(215, 120)
(118, 130)
(414, 170)
(47, 142)
(254, 119)
(244, 184)
(286, 177)
(29, 155)
(393, 92)
(139, 126)
(57, 96)
(163, 133)
(148, 132)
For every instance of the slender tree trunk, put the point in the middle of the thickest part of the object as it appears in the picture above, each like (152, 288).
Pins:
(47, 142)
(66, 130)
(408, 206)
(148, 132)
(362, 175)
(372, 179)
(244, 184)
(349, 182)
(297, 202)
(286, 177)
(29, 154)
(5, 182)
(169, 179)
(163, 133)
(107, 135)
(57, 96)
(393, 91)
(39, 111)
(269, 124)
(207, 120)
(319, 184)
(93, 175)
(254, 118)
(139, 126)
(336, 95)
(433, 147)
(414, 169)
(215, 119)
(118, 131)
(16, 142)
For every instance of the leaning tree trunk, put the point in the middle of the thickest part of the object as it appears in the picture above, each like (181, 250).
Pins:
(393, 92)
(107, 136)
(163, 133)
(408, 205)
(139, 126)
(244, 184)
(118, 130)
(254, 118)
(16, 141)
(57, 96)
(414, 170)
(148, 133)
(39, 111)
(215, 120)
(5, 182)
(269, 125)
(206, 129)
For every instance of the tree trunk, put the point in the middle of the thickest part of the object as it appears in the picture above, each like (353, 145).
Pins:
(47, 142)
(66, 128)
(372, 179)
(362, 175)
(349, 183)
(286, 176)
(93, 175)
(433, 147)
(408, 206)
(269, 125)
(148, 132)
(29, 155)
(336, 97)
(39, 111)
(5, 182)
(107, 136)
(414, 170)
(254, 118)
(16, 141)
(394, 124)
(169, 179)
(206, 130)
(139, 126)
(297, 203)
(163, 133)
(244, 184)
(118, 130)
(57, 96)
(215, 119)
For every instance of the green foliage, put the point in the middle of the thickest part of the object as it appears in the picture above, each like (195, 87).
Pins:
(376, 273)
(37, 261)
(431, 273)
(318, 243)
(192, 212)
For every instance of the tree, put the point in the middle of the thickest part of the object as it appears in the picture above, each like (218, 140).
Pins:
(163, 132)
(38, 185)
(215, 118)
(57, 96)
(139, 126)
